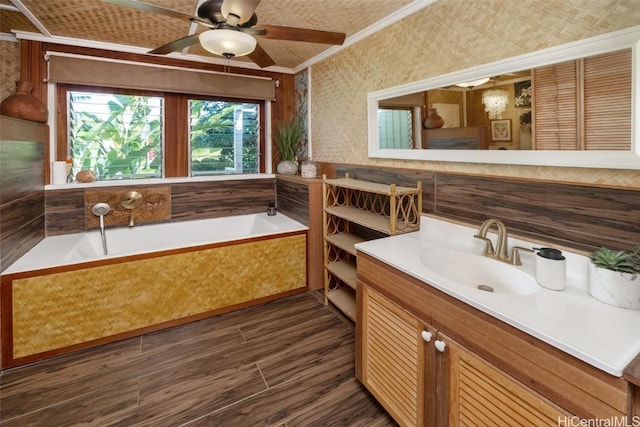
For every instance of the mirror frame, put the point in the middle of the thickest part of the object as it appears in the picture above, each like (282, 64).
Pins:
(627, 38)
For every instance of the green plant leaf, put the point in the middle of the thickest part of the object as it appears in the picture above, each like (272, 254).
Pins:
(288, 136)
(622, 261)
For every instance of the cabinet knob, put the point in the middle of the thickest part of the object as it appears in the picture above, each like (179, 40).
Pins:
(440, 345)
(426, 335)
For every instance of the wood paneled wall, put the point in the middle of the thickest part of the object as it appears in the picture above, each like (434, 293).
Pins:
(581, 217)
(66, 209)
(22, 146)
(301, 199)
(221, 198)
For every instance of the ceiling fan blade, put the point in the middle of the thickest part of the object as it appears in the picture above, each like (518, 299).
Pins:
(302, 35)
(176, 45)
(261, 57)
(243, 9)
(146, 7)
(254, 31)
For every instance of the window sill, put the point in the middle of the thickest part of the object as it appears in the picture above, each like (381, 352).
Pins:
(156, 181)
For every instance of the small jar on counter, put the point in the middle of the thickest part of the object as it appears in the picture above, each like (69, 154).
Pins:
(308, 169)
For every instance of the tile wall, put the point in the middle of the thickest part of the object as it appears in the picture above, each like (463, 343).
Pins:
(22, 146)
(69, 210)
(578, 216)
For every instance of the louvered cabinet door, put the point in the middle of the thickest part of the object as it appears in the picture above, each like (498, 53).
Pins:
(394, 360)
(482, 395)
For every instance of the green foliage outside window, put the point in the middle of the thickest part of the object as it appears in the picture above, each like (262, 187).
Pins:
(121, 136)
(222, 134)
(116, 136)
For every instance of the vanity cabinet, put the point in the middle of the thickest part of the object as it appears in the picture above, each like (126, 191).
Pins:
(432, 360)
(396, 365)
(481, 394)
(424, 378)
(355, 211)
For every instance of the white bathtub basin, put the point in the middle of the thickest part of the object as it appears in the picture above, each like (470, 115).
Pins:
(77, 248)
(478, 272)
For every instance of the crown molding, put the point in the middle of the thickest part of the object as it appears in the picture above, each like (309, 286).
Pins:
(8, 37)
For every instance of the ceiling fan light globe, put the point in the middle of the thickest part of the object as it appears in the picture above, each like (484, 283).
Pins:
(242, 10)
(226, 42)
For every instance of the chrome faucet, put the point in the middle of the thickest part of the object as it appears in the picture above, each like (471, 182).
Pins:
(501, 251)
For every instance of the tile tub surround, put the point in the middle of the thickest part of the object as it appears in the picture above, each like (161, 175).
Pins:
(570, 320)
(88, 299)
(67, 208)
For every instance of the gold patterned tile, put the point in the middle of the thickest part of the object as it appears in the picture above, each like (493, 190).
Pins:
(155, 207)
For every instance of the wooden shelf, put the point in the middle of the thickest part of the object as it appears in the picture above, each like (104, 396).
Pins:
(344, 270)
(350, 207)
(370, 187)
(345, 241)
(368, 219)
(345, 300)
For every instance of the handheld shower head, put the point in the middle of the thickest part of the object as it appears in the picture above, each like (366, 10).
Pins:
(100, 209)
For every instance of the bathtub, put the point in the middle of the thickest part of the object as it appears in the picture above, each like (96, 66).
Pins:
(122, 241)
(65, 294)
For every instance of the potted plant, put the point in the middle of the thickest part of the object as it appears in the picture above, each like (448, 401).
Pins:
(614, 277)
(287, 135)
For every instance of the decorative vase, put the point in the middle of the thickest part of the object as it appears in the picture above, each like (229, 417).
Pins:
(613, 287)
(308, 169)
(23, 105)
(287, 167)
(433, 120)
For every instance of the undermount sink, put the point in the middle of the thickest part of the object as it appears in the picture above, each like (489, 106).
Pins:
(479, 272)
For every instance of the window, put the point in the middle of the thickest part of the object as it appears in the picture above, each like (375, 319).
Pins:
(115, 135)
(130, 133)
(395, 127)
(224, 137)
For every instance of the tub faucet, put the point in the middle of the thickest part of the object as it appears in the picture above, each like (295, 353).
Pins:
(131, 200)
(501, 251)
(101, 209)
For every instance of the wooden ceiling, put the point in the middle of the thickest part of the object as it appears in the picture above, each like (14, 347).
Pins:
(94, 20)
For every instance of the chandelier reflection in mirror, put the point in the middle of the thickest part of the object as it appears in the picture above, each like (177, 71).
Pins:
(495, 102)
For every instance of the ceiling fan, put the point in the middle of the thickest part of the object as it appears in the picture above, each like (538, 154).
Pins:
(232, 29)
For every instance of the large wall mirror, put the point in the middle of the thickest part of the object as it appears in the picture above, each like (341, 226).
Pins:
(573, 105)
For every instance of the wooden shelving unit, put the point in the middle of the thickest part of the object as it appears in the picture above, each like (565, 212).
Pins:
(351, 206)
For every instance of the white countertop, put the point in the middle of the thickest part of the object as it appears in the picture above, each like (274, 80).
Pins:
(571, 320)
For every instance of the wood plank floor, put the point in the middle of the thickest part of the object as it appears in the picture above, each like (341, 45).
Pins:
(284, 363)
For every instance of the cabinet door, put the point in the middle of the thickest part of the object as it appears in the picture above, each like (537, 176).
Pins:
(395, 364)
(481, 394)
